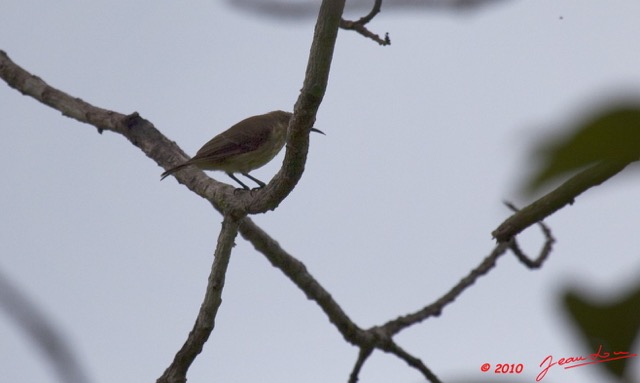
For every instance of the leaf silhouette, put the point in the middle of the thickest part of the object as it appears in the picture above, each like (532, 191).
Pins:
(611, 324)
(613, 135)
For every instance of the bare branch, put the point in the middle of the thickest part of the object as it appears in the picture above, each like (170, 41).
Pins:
(137, 130)
(544, 252)
(412, 361)
(435, 309)
(380, 336)
(487, 264)
(42, 332)
(361, 29)
(297, 272)
(306, 107)
(282, 9)
(359, 26)
(363, 355)
(177, 371)
(142, 134)
(374, 11)
(376, 337)
(557, 199)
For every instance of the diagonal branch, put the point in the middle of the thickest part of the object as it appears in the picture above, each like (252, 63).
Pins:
(141, 133)
(297, 272)
(377, 337)
(137, 130)
(394, 326)
(557, 199)
(435, 309)
(205, 322)
(412, 361)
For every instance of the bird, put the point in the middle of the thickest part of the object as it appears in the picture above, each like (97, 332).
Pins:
(246, 146)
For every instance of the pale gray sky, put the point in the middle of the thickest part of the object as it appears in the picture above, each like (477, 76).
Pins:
(425, 139)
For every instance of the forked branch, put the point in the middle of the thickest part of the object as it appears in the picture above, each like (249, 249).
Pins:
(360, 25)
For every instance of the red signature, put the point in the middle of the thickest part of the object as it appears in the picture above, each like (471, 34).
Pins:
(577, 361)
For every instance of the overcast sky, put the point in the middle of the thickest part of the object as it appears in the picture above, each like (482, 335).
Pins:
(425, 139)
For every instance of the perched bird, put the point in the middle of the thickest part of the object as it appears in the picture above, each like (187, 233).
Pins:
(244, 147)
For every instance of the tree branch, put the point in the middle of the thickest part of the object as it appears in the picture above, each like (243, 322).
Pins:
(413, 362)
(435, 309)
(205, 322)
(544, 252)
(142, 134)
(297, 272)
(563, 195)
(363, 355)
(136, 129)
(359, 26)
(306, 107)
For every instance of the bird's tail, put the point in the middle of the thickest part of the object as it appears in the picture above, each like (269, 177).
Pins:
(173, 170)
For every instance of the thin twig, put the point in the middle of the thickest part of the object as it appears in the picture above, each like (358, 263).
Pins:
(544, 252)
(359, 26)
(434, 309)
(377, 4)
(363, 355)
(205, 322)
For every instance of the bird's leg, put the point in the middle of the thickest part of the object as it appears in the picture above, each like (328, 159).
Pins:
(245, 187)
(260, 183)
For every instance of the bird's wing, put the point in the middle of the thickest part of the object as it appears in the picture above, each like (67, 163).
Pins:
(243, 137)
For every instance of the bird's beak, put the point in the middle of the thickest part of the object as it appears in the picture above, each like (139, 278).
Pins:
(317, 131)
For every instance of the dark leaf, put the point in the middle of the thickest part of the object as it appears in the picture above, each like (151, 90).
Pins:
(612, 325)
(613, 135)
